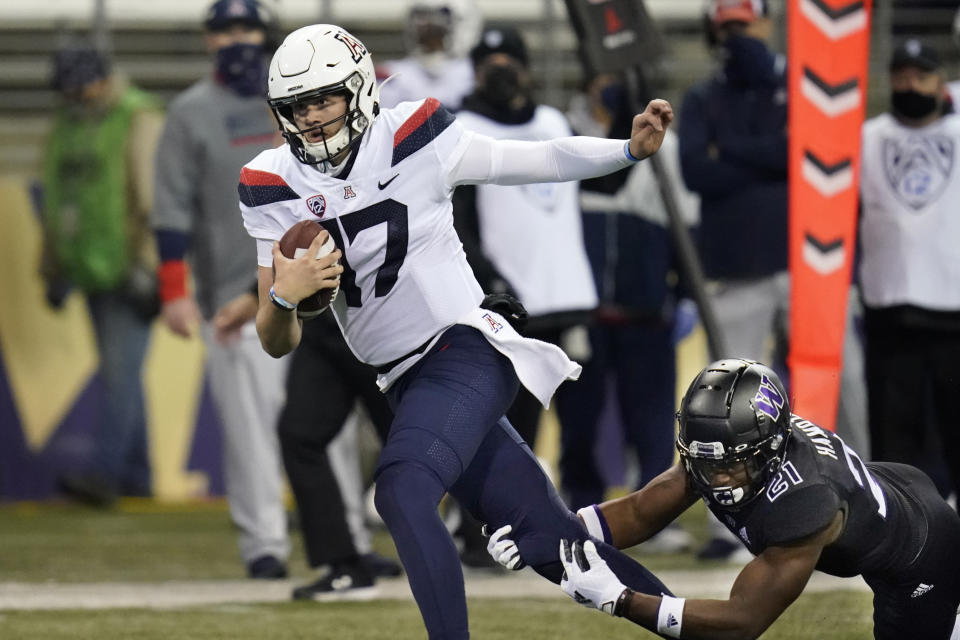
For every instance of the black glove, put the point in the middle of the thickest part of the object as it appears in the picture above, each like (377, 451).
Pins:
(509, 307)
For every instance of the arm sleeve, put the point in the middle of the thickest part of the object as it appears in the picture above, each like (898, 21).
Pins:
(513, 162)
(703, 174)
(177, 176)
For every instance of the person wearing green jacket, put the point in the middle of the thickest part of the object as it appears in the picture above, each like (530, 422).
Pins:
(98, 186)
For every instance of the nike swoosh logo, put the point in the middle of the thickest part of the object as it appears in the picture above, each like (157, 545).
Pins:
(384, 185)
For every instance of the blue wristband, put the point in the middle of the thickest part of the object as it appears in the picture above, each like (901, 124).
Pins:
(626, 151)
(280, 303)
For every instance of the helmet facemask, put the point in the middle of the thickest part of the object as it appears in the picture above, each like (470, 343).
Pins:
(749, 468)
(354, 122)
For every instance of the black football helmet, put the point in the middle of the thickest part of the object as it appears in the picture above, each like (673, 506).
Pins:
(734, 422)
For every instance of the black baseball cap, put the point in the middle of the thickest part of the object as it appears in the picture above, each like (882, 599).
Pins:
(77, 65)
(915, 53)
(224, 13)
(500, 40)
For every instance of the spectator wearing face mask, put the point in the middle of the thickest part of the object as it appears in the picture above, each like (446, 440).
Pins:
(733, 154)
(909, 230)
(212, 129)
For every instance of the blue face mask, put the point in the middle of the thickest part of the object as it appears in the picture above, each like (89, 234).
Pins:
(241, 67)
(749, 62)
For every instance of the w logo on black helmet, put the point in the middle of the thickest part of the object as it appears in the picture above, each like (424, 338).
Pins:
(768, 398)
(357, 50)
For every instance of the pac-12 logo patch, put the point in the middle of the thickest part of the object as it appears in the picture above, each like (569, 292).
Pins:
(495, 326)
(317, 205)
(918, 168)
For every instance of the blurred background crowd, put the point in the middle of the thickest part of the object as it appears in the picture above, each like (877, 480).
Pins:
(125, 308)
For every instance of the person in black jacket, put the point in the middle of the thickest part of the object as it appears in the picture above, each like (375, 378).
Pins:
(733, 153)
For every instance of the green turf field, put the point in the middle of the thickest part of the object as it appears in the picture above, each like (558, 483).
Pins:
(143, 543)
(822, 616)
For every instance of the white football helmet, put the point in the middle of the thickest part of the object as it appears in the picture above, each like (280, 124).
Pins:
(317, 60)
(460, 21)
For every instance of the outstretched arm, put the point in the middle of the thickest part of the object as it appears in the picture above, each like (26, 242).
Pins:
(642, 514)
(512, 162)
(762, 591)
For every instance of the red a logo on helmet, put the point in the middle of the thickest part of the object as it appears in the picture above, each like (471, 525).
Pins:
(357, 50)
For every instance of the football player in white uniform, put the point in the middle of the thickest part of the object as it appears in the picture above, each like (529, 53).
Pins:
(380, 183)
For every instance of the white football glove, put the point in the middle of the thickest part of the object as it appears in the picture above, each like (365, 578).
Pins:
(503, 549)
(587, 578)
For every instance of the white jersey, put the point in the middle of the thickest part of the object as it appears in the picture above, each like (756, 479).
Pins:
(448, 83)
(406, 276)
(909, 228)
(533, 233)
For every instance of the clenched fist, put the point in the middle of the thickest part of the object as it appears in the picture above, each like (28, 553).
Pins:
(649, 128)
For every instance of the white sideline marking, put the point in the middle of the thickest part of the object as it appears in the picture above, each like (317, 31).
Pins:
(171, 595)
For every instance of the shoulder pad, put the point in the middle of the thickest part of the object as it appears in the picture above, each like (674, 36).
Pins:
(423, 122)
(798, 513)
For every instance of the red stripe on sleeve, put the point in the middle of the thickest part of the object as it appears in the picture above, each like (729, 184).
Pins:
(418, 118)
(254, 178)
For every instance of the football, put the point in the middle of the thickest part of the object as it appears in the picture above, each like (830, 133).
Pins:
(294, 244)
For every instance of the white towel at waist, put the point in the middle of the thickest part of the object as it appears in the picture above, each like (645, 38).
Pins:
(540, 366)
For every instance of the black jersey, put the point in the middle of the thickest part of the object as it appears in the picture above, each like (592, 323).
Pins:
(883, 524)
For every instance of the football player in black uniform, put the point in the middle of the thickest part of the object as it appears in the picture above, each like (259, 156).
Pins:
(799, 499)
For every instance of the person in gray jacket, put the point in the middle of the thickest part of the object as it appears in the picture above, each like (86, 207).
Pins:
(213, 128)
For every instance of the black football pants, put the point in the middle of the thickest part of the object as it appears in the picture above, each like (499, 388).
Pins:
(912, 382)
(324, 382)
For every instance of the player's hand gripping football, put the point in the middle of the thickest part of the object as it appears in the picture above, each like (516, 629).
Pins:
(587, 578)
(297, 278)
(649, 128)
